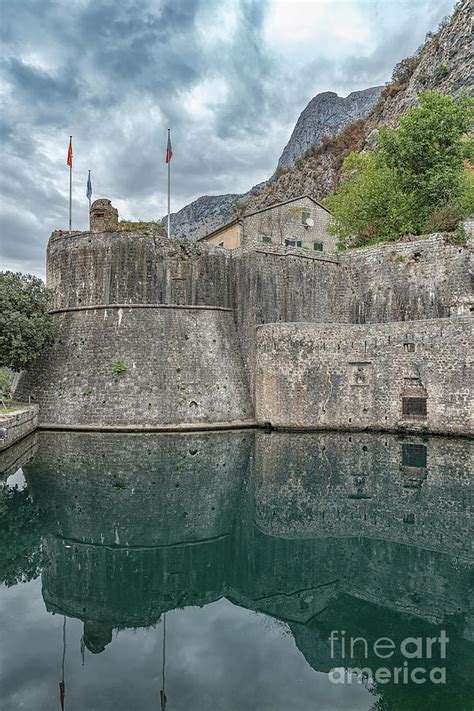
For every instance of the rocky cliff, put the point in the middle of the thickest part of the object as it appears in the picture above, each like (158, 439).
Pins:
(326, 115)
(444, 63)
(331, 127)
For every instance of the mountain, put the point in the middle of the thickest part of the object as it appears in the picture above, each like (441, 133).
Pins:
(444, 63)
(326, 115)
(203, 215)
(331, 127)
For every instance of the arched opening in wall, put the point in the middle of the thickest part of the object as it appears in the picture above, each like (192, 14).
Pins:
(193, 405)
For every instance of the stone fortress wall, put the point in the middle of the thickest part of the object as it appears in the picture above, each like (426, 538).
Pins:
(200, 332)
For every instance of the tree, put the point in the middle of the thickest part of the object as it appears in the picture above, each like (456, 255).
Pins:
(415, 179)
(25, 324)
(368, 205)
(426, 152)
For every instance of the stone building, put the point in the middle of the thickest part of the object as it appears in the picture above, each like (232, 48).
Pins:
(298, 222)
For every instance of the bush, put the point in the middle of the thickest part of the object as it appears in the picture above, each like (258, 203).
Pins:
(460, 237)
(403, 71)
(5, 384)
(445, 219)
(426, 152)
(368, 206)
(415, 182)
(441, 73)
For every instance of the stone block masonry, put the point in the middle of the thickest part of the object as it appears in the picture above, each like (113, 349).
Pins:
(16, 425)
(159, 333)
(144, 366)
(413, 376)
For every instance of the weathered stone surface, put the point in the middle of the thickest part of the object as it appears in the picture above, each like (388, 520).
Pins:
(88, 269)
(141, 366)
(180, 320)
(363, 376)
(16, 425)
(325, 115)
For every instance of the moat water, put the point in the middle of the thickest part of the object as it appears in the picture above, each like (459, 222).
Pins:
(236, 571)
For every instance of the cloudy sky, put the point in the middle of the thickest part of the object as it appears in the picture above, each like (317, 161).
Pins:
(230, 77)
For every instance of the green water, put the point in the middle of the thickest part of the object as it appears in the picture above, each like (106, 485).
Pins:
(233, 570)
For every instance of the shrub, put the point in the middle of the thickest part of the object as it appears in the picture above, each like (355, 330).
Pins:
(368, 206)
(5, 384)
(444, 219)
(459, 237)
(415, 181)
(441, 73)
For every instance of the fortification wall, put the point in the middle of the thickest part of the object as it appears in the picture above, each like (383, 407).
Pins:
(278, 285)
(87, 269)
(364, 376)
(129, 297)
(183, 366)
(406, 281)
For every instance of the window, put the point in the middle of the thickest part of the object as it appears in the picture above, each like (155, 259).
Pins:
(293, 243)
(414, 407)
(221, 244)
(305, 216)
(414, 455)
(318, 246)
(266, 239)
(409, 347)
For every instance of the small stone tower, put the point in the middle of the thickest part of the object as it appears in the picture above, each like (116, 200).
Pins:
(103, 216)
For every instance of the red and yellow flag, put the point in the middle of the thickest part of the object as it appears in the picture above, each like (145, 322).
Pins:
(169, 152)
(69, 153)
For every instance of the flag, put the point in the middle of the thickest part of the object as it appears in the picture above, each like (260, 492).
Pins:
(169, 152)
(89, 187)
(69, 153)
(62, 694)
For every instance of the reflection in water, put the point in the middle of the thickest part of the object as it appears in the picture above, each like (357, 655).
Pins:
(362, 533)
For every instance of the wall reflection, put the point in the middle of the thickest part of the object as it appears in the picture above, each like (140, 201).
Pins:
(322, 531)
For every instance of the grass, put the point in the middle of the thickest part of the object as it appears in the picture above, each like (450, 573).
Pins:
(12, 406)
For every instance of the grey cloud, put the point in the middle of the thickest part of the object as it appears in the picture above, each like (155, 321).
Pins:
(117, 74)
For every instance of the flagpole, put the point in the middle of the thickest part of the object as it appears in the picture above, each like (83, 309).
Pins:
(90, 194)
(169, 189)
(70, 192)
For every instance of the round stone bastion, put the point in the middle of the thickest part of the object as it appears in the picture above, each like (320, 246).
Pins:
(147, 338)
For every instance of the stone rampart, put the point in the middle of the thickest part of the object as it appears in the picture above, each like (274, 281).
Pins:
(16, 425)
(183, 319)
(393, 376)
(87, 269)
(143, 366)
(405, 281)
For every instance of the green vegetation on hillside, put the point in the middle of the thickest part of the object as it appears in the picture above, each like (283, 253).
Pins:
(26, 327)
(420, 177)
